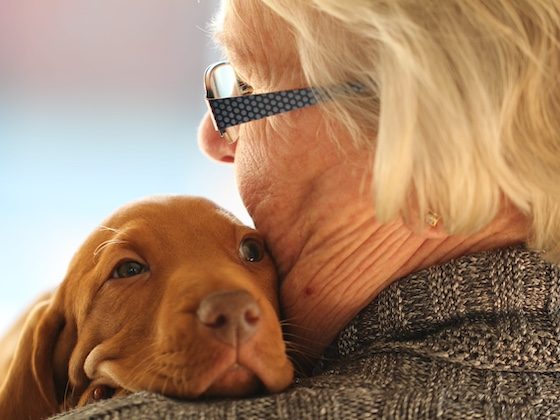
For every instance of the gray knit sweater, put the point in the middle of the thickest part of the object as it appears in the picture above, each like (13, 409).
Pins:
(478, 337)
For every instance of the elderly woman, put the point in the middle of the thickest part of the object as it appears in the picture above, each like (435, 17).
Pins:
(402, 159)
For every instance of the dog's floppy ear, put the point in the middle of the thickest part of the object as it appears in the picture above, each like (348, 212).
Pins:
(35, 382)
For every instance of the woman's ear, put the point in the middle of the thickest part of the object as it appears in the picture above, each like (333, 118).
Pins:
(35, 382)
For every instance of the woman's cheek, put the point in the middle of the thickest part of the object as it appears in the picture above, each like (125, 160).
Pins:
(253, 168)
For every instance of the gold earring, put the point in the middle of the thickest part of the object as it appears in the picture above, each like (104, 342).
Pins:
(432, 219)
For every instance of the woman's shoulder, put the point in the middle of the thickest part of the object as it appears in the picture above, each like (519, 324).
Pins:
(477, 336)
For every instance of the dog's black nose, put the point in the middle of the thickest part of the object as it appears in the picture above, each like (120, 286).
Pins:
(233, 317)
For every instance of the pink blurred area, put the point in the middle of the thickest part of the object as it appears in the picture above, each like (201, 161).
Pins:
(147, 47)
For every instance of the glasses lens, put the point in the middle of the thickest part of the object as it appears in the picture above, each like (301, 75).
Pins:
(224, 81)
(224, 84)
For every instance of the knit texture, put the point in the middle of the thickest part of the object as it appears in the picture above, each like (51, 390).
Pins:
(477, 337)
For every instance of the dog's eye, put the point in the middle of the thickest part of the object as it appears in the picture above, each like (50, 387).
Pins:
(128, 269)
(251, 250)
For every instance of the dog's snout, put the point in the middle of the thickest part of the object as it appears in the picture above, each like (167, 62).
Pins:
(233, 317)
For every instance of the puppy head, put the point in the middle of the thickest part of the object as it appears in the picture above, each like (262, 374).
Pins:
(149, 296)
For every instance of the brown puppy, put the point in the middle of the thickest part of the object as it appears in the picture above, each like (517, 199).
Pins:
(171, 295)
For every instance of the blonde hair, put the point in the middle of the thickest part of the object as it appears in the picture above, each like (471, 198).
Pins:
(468, 101)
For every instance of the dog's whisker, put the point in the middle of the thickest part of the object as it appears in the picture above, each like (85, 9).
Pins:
(175, 378)
(287, 319)
(292, 320)
(155, 366)
(73, 394)
(65, 396)
(65, 402)
(152, 368)
(185, 378)
(133, 375)
(289, 327)
(106, 243)
(299, 327)
(102, 228)
(302, 366)
(299, 354)
(291, 345)
(292, 334)
(297, 369)
(298, 339)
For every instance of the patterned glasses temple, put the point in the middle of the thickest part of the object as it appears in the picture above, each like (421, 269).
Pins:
(229, 112)
(232, 111)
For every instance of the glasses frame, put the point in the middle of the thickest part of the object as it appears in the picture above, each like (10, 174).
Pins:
(224, 111)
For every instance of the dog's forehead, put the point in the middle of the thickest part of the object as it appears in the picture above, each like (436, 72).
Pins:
(155, 226)
(173, 216)
(173, 209)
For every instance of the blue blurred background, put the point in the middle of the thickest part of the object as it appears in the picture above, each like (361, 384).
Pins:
(99, 105)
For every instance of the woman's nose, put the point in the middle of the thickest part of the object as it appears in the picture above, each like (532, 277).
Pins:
(212, 144)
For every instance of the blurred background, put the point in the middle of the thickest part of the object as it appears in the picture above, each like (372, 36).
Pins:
(99, 105)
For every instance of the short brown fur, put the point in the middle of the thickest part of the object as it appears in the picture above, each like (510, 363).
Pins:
(142, 332)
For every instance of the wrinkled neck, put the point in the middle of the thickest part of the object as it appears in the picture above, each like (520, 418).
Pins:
(347, 261)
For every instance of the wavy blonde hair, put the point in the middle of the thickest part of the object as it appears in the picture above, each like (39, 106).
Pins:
(467, 107)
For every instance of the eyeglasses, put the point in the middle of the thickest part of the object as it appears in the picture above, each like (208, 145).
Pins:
(232, 102)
